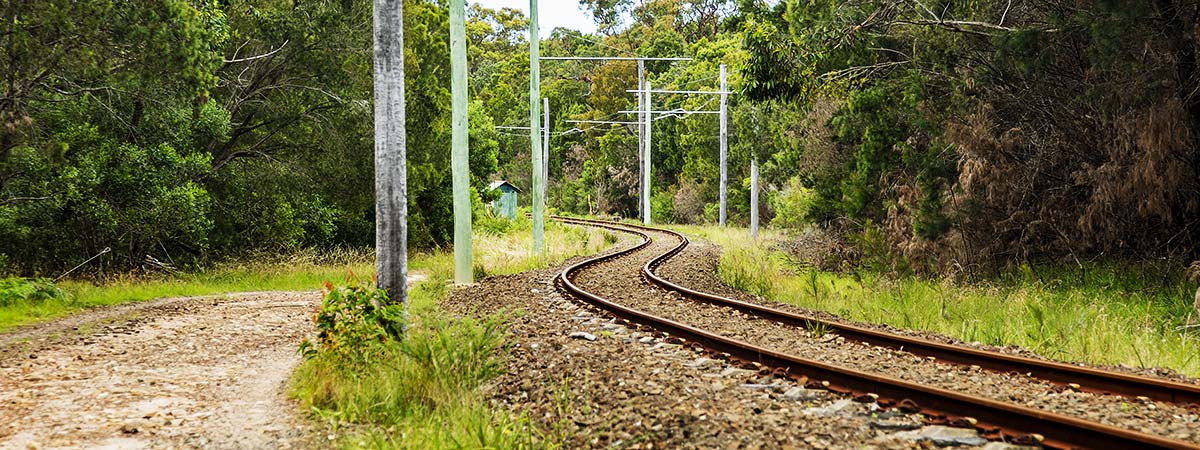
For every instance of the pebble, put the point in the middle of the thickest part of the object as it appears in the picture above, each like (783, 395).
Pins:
(837, 408)
(582, 335)
(943, 435)
(796, 394)
(893, 424)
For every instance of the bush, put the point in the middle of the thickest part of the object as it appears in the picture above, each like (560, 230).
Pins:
(792, 205)
(351, 319)
(14, 291)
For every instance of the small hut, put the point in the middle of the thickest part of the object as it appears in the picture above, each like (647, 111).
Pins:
(506, 205)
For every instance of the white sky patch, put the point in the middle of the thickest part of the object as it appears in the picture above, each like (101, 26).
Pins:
(551, 13)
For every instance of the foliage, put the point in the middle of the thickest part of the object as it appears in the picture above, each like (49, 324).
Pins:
(979, 133)
(793, 205)
(197, 131)
(353, 317)
(24, 291)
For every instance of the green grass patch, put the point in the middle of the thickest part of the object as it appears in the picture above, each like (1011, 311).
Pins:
(421, 390)
(1102, 313)
(304, 271)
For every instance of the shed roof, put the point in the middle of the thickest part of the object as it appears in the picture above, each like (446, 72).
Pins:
(496, 185)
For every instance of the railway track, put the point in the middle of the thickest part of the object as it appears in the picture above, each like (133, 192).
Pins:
(994, 418)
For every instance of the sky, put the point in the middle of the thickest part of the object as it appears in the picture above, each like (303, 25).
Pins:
(551, 13)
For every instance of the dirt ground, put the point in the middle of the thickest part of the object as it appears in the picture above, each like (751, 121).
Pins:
(207, 372)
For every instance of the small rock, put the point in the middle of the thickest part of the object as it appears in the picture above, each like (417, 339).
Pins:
(129, 428)
(797, 394)
(582, 335)
(735, 372)
(836, 408)
(701, 363)
(943, 436)
(894, 424)
(757, 386)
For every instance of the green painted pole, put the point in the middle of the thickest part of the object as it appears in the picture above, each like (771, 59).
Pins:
(535, 130)
(459, 156)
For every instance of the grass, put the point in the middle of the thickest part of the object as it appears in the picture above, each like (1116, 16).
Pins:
(423, 392)
(497, 252)
(303, 271)
(1106, 314)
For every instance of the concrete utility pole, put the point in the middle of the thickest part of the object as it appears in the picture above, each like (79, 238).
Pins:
(724, 147)
(535, 82)
(754, 196)
(391, 193)
(648, 123)
(546, 149)
(464, 269)
(641, 133)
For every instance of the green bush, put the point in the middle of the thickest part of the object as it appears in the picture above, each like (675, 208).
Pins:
(352, 319)
(16, 291)
(792, 205)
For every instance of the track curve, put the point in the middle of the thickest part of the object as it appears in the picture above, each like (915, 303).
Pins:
(994, 418)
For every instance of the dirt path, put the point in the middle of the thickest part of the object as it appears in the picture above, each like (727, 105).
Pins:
(172, 373)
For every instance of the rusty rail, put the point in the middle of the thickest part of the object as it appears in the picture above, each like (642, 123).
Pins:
(1088, 379)
(989, 416)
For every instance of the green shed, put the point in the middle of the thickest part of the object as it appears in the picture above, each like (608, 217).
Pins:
(506, 205)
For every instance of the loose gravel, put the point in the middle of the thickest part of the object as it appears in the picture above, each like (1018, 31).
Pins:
(586, 380)
(173, 373)
(612, 280)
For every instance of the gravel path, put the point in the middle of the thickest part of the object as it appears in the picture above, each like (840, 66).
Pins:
(611, 280)
(174, 373)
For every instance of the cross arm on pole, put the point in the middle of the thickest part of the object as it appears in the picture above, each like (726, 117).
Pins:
(670, 91)
(611, 122)
(608, 58)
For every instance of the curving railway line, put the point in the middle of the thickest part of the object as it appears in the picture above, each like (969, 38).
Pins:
(1010, 419)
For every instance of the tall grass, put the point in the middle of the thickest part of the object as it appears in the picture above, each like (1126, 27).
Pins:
(1108, 313)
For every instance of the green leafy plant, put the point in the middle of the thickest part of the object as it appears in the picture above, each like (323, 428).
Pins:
(15, 291)
(353, 318)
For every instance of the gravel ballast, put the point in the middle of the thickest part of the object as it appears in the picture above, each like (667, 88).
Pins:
(612, 280)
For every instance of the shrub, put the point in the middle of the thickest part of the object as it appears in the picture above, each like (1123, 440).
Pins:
(353, 318)
(15, 291)
(792, 205)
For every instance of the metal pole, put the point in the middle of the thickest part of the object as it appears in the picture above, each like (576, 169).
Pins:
(754, 196)
(459, 152)
(724, 147)
(641, 135)
(535, 81)
(546, 149)
(391, 193)
(648, 123)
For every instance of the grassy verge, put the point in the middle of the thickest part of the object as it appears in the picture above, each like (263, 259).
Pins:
(422, 391)
(1105, 314)
(303, 271)
(501, 248)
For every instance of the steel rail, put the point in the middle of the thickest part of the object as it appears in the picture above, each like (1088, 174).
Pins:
(987, 415)
(1083, 378)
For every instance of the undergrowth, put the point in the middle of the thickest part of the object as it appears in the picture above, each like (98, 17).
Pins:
(1106, 313)
(381, 387)
(378, 387)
